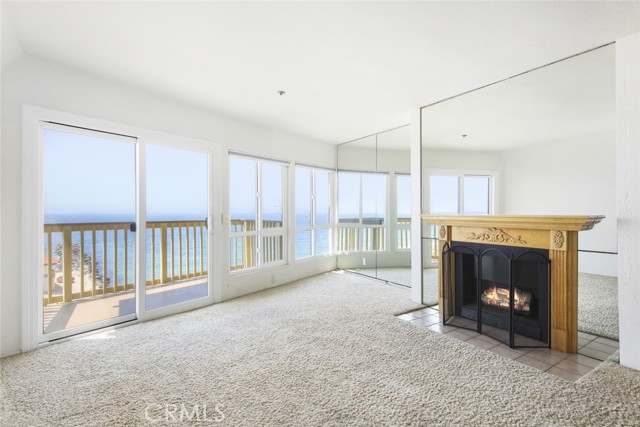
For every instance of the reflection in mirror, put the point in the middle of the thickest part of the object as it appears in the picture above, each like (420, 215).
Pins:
(374, 206)
(541, 143)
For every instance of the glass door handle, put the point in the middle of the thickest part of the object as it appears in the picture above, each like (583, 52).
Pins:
(132, 227)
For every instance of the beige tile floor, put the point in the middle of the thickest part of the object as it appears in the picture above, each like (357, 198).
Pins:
(592, 350)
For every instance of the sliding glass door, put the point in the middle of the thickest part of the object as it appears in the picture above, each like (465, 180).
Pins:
(89, 245)
(101, 263)
(177, 234)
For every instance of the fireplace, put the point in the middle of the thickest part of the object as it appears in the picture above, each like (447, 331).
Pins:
(519, 252)
(500, 291)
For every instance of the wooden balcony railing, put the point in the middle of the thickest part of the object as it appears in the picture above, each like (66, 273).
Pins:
(187, 240)
(243, 244)
(83, 260)
(404, 233)
(371, 235)
(356, 237)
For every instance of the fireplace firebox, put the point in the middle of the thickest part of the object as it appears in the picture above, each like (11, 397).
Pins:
(500, 291)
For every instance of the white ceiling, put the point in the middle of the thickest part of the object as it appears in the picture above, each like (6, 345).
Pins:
(349, 68)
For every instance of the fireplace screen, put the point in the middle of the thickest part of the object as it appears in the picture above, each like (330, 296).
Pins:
(500, 291)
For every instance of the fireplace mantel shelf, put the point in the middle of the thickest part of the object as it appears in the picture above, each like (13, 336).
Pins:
(527, 222)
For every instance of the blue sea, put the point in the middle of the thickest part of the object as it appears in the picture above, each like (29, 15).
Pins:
(303, 244)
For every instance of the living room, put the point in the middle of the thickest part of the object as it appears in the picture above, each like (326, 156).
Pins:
(326, 349)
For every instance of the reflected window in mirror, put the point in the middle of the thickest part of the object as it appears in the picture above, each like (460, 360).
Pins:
(362, 211)
(460, 193)
(403, 211)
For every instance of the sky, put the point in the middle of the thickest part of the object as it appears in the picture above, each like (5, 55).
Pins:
(243, 188)
(304, 190)
(90, 176)
(177, 183)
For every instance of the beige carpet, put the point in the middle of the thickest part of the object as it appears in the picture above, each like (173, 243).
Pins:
(325, 351)
(598, 305)
(402, 276)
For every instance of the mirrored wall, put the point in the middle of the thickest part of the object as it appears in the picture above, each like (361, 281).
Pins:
(374, 206)
(541, 143)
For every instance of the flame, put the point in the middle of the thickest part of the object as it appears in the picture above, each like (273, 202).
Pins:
(499, 297)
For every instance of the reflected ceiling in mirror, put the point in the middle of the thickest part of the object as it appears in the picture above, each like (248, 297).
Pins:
(564, 100)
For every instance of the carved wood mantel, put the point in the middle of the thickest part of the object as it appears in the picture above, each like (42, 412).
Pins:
(558, 234)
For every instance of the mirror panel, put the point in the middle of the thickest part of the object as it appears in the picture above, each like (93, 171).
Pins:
(374, 206)
(540, 143)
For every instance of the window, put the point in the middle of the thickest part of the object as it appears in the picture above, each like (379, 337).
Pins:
(256, 201)
(460, 193)
(313, 211)
(403, 212)
(362, 211)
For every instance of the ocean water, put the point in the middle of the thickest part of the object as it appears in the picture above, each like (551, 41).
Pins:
(303, 245)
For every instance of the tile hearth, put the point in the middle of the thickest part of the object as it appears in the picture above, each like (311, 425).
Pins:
(592, 350)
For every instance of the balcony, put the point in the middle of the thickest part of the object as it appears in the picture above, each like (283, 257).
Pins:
(89, 269)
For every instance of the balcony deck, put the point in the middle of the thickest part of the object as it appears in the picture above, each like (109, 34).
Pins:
(82, 311)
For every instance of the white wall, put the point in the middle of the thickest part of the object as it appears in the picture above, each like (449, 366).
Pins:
(436, 158)
(11, 48)
(628, 196)
(41, 83)
(569, 177)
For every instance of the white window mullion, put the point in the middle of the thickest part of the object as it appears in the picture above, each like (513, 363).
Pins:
(258, 214)
(285, 213)
(460, 194)
(313, 212)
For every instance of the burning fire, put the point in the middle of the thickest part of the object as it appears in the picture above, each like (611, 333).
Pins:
(499, 297)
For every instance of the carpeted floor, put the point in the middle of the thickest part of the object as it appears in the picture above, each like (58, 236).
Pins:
(324, 351)
(402, 276)
(598, 305)
(430, 286)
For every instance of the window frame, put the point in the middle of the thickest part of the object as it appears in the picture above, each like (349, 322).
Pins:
(461, 174)
(313, 226)
(397, 226)
(260, 232)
